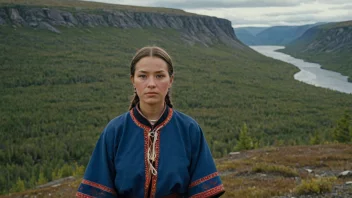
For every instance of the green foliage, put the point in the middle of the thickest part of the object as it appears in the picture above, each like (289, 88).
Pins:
(315, 139)
(42, 179)
(58, 91)
(315, 186)
(343, 130)
(79, 170)
(18, 186)
(279, 169)
(245, 142)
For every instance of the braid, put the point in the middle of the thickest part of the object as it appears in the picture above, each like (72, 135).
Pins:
(168, 100)
(134, 101)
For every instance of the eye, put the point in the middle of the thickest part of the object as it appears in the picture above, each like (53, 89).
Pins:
(160, 76)
(143, 76)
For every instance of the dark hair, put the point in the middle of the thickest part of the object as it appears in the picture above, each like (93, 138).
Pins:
(151, 51)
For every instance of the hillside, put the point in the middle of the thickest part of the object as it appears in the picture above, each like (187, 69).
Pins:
(59, 89)
(329, 44)
(271, 172)
(246, 37)
(193, 28)
(276, 35)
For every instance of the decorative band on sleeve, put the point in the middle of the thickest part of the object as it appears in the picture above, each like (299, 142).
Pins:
(203, 179)
(82, 195)
(99, 186)
(211, 192)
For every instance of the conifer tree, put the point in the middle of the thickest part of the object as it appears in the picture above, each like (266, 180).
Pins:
(245, 142)
(342, 132)
(18, 186)
(42, 179)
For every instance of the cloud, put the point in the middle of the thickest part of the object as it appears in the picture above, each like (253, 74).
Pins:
(258, 13)
(199, 4)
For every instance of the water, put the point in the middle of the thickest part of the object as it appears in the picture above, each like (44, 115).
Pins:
(311, 73)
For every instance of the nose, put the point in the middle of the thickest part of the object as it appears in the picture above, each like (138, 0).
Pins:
(151, 82)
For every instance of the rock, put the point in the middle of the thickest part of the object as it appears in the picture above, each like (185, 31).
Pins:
(3, 17)
(16, 17)
(349, 183)
(309, 170)
(345, 174)
(47, 26)
(194, 28)
(234, 153)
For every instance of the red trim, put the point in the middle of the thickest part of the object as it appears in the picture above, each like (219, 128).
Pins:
(146, 167)
(148, 175)
(169, 116)
(81, 195)
(155, 177)
(210, 192)
(101, 187)
(201, 180)
(137, 122)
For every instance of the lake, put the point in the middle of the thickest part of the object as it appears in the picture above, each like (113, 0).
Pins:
(311, 73)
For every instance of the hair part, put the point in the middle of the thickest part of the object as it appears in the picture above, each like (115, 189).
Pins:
(151, 51)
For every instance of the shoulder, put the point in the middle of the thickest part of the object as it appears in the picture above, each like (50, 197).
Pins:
(185, 120)
(113, 125)
(184, 117)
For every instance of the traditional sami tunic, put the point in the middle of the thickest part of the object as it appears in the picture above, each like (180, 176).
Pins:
(121, 164)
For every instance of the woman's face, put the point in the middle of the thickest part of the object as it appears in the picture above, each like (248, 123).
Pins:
(151, 80)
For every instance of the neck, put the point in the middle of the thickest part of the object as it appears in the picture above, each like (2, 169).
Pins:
(151, 112)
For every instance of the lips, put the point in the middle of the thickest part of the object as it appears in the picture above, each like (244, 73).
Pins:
(151, 93)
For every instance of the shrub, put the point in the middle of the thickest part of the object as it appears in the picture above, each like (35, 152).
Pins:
(267, 168)
(315, 186)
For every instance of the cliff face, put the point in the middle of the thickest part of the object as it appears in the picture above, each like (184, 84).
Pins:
(329, 38)
(194, 28)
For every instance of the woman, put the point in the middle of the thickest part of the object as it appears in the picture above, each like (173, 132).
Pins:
(152, 150)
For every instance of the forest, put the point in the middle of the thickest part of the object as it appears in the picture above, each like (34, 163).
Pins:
(58, 91)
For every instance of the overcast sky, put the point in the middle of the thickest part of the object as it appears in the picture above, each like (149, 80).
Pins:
(258, 12)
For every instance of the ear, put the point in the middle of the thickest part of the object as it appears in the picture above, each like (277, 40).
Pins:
(171, 80)
(132, 80)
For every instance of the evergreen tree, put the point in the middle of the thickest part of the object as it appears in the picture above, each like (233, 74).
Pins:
(315, 139)
(18, 186)
(42, 179)
(342, 132)
(245, 142)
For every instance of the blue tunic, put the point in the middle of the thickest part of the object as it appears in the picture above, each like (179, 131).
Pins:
(119, 165)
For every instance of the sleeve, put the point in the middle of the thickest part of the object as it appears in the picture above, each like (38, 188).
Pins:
(205, 180)
(98, 179)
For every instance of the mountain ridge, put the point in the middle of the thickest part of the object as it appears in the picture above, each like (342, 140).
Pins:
(195, 28)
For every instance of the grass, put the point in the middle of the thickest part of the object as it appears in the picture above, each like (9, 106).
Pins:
(275, 169)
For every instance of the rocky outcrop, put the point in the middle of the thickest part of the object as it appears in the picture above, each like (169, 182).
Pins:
(194, 28)
(330, 38)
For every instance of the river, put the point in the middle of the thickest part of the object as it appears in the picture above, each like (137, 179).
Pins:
(311, 73)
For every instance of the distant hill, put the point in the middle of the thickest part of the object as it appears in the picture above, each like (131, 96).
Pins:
(247, 37)
(276, 35)
(252, 30)
(329, 44)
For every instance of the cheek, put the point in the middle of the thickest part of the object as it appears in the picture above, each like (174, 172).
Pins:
(164, 86)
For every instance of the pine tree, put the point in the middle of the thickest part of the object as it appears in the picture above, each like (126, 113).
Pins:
(315, 139)
(42, 179)
(342, 132)
(19, 186)
(245, 142)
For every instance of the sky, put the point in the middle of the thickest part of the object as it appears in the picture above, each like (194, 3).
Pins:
(263, 13)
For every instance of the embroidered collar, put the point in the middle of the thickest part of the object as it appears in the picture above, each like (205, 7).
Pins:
(142, 120)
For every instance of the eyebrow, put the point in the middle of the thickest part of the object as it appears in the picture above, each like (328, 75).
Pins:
(160, 71)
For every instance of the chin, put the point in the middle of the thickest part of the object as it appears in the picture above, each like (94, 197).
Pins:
(152, 101)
